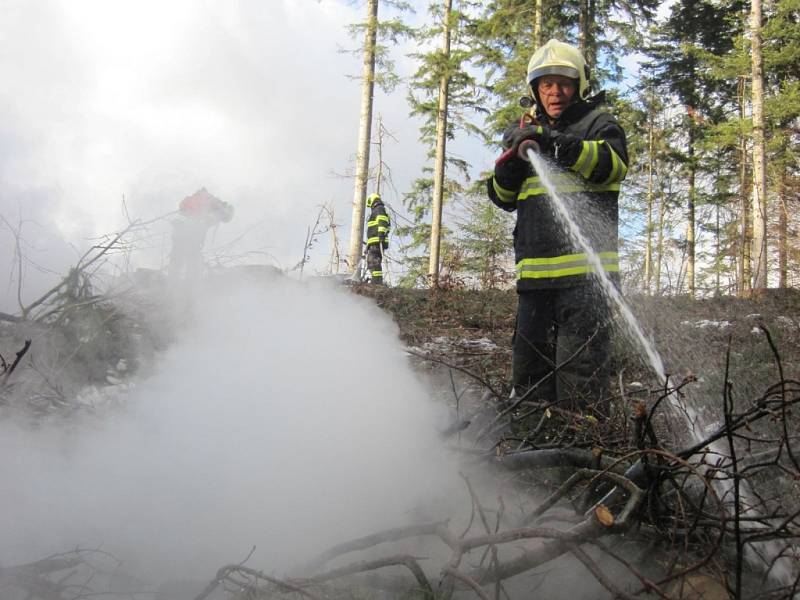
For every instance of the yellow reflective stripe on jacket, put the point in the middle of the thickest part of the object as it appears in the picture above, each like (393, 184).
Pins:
(374, 240)
(563, 183)
(618, 168)
(590, 156)
(502, 193)
(563, 266)
(587, 159)
(382, 218)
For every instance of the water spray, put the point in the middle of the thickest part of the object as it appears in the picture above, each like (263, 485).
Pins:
(608, 287)
(529, 150)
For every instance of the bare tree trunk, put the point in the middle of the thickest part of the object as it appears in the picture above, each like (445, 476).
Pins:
(783, 234)
(591, 43)
(583, 26)
(586, 42)
(648, 251)
(441, 142)
(364, 135)
(690, 219)
(662, 214)
(537, 24)
(746, 233)
(717, 252)
(759, 160)
(379, 166)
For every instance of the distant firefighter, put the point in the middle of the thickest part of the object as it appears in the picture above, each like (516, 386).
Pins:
(377, 237)
(197, 214)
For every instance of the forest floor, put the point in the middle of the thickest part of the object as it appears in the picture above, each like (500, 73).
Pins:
(713, 348)
(473, 330)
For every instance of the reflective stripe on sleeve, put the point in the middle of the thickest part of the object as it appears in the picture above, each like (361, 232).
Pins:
(587, 159)
(502, 193)
(618, 168)
(590, 156)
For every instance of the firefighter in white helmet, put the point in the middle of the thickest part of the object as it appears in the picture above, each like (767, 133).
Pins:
(562, 315)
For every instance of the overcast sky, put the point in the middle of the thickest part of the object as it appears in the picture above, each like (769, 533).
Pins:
(150, 100)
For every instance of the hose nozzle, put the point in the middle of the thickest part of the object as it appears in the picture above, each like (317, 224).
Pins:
(525, 145)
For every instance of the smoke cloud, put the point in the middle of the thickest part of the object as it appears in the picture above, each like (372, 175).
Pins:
(285, 416)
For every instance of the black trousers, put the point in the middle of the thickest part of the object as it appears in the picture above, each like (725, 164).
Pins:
(562, 342)
(375, 263)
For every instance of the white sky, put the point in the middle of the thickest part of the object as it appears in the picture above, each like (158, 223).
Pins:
(151, 100)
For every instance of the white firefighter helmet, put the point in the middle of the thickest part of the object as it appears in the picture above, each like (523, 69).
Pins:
(371, 199)
(558, 58)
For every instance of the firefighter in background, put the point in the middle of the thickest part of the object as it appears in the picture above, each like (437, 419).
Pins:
(562, 314)
(377, 237)
(196, 215)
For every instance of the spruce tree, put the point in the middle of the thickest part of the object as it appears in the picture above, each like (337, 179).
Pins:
(446, 97)
(486, 241)
(679, 67)
(378, 68)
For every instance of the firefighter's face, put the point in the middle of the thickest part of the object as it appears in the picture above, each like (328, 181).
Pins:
(555, 93)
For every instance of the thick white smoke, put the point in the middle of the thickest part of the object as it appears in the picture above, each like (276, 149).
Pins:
(285, 416)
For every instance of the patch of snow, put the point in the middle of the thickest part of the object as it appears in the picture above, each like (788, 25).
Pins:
(443, 344)
(704, 323)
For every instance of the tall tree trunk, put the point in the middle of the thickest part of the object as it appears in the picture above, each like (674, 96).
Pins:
(717, 252)
(364, 135)
(759, 160)
(648, 251)
(662, 215)
(690, 223)
(586, 42)
(441, 143)
(591, 42)
(745, 228)
(783, 234)
(538, 11)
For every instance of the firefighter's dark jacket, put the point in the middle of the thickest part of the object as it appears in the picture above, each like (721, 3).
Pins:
(597, 160)
(378, 226)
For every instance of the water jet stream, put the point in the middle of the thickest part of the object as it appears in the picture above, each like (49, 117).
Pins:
(780, 571)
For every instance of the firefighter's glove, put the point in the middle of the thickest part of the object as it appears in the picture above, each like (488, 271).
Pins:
(566, 148)
(510, 170)
(545, 137)
(561, 147)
